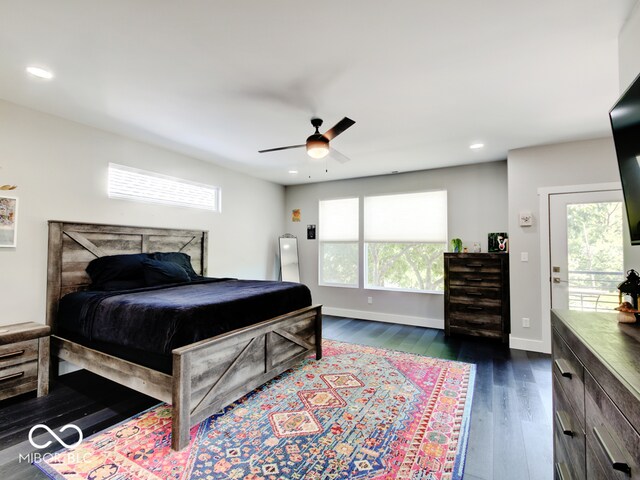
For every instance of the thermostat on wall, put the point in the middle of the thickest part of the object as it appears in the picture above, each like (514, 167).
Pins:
(526, 219)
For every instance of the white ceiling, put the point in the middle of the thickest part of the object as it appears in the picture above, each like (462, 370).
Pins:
(219, 80)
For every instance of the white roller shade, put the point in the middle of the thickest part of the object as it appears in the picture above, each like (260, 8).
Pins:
(410, 217)
(339, 220)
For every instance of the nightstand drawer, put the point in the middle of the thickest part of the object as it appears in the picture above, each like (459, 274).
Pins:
(17, 379)
(19, 352)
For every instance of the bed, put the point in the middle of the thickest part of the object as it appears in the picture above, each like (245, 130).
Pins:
(199, 378)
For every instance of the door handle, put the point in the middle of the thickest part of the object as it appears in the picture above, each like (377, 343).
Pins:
(559, 280)
(565, 424)
(611, 450)
(562, 365)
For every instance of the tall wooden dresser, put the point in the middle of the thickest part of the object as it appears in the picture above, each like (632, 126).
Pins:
(476, 294)
(596, 396)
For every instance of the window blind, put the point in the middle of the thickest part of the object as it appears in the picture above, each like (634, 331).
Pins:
(339, 220)
(409, 217)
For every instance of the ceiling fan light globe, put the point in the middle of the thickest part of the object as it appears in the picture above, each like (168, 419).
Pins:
(317, 147)
(318, 152)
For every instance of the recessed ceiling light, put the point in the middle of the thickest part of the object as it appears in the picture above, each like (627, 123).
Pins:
(476, 146)
(293, 172)
(40, 72)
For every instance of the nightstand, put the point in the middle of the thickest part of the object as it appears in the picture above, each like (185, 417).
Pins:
(24, 359)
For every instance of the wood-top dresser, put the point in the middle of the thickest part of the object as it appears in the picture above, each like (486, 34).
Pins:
(24, 359)
(596, 396)
(476, 294)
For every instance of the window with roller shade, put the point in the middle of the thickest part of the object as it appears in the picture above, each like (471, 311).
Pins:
(339, 236)
(405, 237)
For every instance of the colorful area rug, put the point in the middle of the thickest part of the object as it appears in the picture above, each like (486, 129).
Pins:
(360, 412)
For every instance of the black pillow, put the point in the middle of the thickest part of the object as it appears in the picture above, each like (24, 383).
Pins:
(116, 267)
(179, 258)
(160, 273)
(113, 285)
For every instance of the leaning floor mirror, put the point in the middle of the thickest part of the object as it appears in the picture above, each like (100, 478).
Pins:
(289, 269)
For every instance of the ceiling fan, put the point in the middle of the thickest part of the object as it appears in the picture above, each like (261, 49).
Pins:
(318, 144)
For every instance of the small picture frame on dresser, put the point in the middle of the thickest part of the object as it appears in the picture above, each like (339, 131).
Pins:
(498, 242)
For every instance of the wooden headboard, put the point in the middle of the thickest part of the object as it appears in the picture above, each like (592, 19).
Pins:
(73, 245)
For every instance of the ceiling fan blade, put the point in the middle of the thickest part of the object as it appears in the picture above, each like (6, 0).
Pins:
(336, 155)
(281, 148)
(338, 128)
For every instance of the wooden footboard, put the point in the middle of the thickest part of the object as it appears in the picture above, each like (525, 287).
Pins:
(211, 374)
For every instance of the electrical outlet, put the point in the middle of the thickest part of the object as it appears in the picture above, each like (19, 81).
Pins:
(369, 300)
(525, 322)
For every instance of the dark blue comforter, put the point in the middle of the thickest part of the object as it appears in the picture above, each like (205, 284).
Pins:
(159, 319)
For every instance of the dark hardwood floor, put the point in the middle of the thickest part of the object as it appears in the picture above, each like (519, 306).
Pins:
(511, 430)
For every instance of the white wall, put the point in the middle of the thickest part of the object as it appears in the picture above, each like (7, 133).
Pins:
(477, 205)
(573, 163)
(629, 49)
(60, 168)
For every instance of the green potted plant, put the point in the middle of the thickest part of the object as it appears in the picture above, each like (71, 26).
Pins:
(456, 245)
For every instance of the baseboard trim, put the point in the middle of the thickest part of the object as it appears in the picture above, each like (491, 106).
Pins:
(385, 317)
(528, 344)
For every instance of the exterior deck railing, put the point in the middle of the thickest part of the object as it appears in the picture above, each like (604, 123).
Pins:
(591, 291)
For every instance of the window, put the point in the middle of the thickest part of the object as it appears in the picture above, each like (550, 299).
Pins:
(140, 185)
(405, 237)
(339, 237)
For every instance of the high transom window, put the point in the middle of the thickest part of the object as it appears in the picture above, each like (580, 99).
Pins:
(141, 185)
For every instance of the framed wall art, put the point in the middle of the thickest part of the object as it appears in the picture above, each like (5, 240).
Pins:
(8, 221)
(498, 242)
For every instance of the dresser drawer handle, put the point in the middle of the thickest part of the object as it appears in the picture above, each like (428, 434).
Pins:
(470, 307)
(17, 353)
(612, 450)
(475, 279)
(562, 471)
(565, 371)
(12, 376)
(475, 265)
(564, 423)
(475, 294)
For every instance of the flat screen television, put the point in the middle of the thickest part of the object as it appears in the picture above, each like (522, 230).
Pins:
(625, 124)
